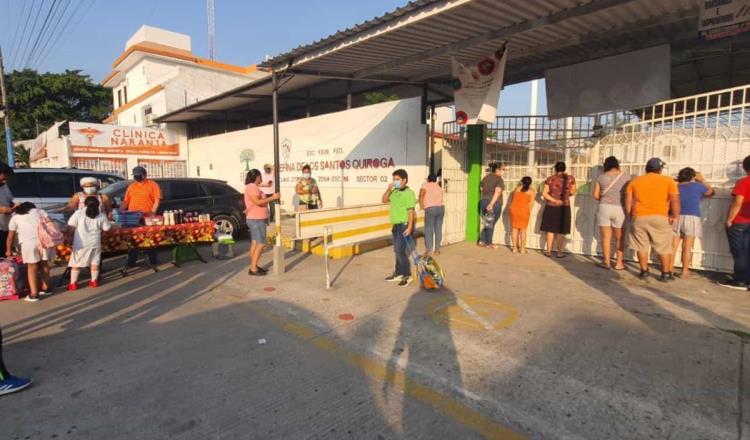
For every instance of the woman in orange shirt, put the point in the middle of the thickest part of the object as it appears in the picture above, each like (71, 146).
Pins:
(520, 211)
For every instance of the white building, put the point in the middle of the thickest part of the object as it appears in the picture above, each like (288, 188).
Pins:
(157, 73)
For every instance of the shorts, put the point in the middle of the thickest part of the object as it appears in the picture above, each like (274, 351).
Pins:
(258, 232)
(610, 215)
(652, 231)
(85, 257)
(689, 226)
(30, 252)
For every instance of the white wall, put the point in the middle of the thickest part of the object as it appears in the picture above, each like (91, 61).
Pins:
(161, 36)
(192, 84)
(390, 131)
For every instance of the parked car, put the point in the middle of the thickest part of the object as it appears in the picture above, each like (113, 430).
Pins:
(47, 187)
(204, 196)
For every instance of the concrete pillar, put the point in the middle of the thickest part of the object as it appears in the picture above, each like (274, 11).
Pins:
(474, 149)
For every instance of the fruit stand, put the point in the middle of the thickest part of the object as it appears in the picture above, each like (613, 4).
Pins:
(119, 240)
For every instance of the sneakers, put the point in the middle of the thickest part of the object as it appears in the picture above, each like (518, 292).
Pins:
(393, 278)
(72, 287)
(644, 275)
(44, 294)
(31, 299)
(405, 281)
(94, 284)
(13, 384)
(734, 285)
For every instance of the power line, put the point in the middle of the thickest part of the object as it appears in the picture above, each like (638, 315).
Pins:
(16, 49)
(64, 34)
(25, 41)
(53, 36)
(42, 31)
(13, 40)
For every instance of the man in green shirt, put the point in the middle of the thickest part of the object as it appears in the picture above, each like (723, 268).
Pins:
(401, 201)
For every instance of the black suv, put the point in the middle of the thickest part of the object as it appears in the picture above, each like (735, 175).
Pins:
(204, 196)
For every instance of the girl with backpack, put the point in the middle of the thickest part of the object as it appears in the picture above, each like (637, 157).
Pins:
(36, 238)
(86, 226)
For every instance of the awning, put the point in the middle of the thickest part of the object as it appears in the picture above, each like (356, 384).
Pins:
(409, 51)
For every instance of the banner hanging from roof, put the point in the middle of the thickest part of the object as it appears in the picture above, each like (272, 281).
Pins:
(86, 137)
(723, 18)
(476, 88)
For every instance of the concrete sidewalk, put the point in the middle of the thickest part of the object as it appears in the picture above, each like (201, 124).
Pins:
(514, 346)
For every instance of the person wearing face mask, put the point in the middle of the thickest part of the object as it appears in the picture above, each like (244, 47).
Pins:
(6, 201)
(90, 187)
(308, 191)
(142, 195)
(402, 202)
(266, 187)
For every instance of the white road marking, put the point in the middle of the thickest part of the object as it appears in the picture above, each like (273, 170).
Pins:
(471, 312)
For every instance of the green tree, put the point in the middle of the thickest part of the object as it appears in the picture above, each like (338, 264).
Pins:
(22, 156)
(378, 97)
(36, 101)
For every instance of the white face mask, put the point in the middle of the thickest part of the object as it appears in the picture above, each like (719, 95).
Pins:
(90, 190)
(306, 175)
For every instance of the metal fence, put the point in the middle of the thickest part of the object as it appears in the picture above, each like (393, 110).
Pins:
(107, 165)
(164, 168)
(708, 132)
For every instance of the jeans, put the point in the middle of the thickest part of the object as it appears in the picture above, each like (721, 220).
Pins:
(403, 267)
(739, 243)
(133, 256)
(488, 230)
(433, 227)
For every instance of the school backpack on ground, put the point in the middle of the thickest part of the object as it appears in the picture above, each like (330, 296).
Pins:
(48, 232)
(10, 279)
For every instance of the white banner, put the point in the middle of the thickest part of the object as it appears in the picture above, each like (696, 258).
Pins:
(87, 137)
(620, 82)
(476, 88)
(723, 18)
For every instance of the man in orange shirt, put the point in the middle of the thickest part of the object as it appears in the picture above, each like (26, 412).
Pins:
(653, 202)
(142, 195)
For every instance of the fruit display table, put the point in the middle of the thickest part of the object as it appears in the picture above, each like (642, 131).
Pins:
(181, 238)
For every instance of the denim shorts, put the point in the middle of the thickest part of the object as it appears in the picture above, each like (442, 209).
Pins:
(257, 231)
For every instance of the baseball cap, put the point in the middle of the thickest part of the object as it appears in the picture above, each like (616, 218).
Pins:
(139, 171)
(655, 164)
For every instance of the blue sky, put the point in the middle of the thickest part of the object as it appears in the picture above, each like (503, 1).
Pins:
(246, 31)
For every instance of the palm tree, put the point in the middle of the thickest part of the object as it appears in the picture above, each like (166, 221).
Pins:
(22, 156)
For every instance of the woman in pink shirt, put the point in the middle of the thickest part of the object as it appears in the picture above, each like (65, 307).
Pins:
(256, 213)
(431, 200)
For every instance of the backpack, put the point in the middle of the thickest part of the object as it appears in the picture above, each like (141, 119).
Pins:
(48, 232)
(12, 278)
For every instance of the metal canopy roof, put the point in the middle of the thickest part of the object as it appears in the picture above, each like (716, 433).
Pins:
(414, 45)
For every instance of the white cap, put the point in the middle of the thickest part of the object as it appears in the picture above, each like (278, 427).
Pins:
(88, 180)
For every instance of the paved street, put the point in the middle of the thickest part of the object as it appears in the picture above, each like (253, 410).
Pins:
(514, 347)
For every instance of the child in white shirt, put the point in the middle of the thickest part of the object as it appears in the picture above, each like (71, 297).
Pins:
(25, 224)
(86, 226)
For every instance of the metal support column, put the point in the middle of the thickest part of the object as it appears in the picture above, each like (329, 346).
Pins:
(348, 95)
(6, 118)
(278, 250)
(532, 128)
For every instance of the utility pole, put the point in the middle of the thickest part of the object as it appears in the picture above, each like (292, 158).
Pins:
(278, 252)
(6, 114)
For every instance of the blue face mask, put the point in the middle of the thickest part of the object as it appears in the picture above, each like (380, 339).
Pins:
(396, 184)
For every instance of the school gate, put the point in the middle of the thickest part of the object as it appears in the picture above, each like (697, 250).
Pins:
(708, 132)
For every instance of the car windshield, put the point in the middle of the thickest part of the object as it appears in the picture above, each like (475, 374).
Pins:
(115, 188)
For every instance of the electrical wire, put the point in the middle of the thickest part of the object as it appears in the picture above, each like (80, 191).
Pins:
(64, 34)
(54, 35)
(27, 39)
(16, 49)
(41, 33)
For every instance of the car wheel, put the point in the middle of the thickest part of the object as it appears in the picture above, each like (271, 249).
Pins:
(226, 225)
